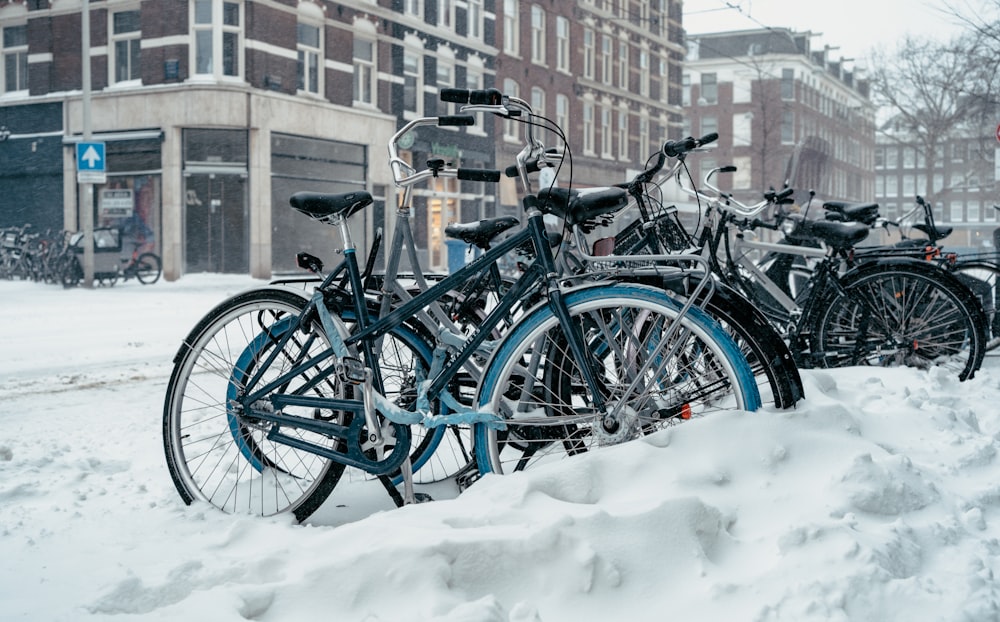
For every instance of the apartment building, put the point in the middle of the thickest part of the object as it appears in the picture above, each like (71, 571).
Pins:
(958, 179)
(786, 113)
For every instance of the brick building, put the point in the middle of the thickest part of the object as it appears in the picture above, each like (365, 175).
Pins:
(214, 111)
(784, 112)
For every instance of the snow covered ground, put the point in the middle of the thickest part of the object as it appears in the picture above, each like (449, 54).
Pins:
(877, 499)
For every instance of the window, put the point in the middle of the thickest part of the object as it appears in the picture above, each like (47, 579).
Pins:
(562, 43)
(973, 211)
(709, 89)
(892, 186)
(15, 58)
(412, 82)
(787, 84)
(709, 123)
(686, 89)
(588, 128)
(623, 64)
(537, 35)
(879, 186)
(956, 211)
(562, 112)
(623, 134)
(891, 157)
(446, 13)
(909, 157)
(218, 27)
(511, 28)
(364, 71)
(938, 182)
(909, 186)
(606, 59)
(125, 38)
(644, 73)
(588, 54)
(474, 17)
(787, 127)
(606, 131)
(309, 53)
(474, 82)
(412, 7)
(445, 78)
(742, 129)
(510, 128)
(538, 100)
(879, 157)
(643, 134)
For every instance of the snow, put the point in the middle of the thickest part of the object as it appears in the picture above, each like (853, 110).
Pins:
(876, 499)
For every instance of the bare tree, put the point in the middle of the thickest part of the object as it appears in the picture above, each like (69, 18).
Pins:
(934, 92)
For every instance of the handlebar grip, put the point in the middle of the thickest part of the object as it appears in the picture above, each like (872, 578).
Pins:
(674, 148)
(487, 97)
(784, 194)
(728, 169)
(478, 174)
(531, 166)
(455, 96)
(711, 137)
(458, 119)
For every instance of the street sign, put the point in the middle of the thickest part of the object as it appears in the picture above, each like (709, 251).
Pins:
(91, 165)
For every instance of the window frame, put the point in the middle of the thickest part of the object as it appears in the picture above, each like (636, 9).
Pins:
(366, 70)
(562, 43)
(511, 28)
(309, 63)
(218, 30)
(20, 54)
(133, 39)
(537, 34)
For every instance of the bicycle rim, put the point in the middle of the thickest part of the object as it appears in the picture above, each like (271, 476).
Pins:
(650, 378)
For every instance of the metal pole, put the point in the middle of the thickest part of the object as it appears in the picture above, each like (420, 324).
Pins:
(87, 189)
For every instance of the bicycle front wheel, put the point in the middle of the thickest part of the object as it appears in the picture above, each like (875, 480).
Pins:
(901, 313)
(981, 277)
(654, 368)
(216, 455)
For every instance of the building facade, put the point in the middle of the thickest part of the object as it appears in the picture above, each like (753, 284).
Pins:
(786, 114)
(213, 112)
(958, 179)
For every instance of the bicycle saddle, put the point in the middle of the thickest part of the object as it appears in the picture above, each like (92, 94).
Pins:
(322, 207)
(837, 234)
(579, 206)
(852, 212)
(935, 234)
(480, 233)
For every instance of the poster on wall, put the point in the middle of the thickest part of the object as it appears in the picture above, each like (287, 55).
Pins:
(116, 203)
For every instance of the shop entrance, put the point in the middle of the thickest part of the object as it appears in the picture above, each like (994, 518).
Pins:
(216, 223)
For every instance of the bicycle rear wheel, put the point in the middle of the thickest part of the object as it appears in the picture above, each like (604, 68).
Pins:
(649, 376)
(901, 313)
(147, 268)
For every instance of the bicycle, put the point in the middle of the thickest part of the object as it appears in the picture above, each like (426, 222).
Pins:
(109, 266)
(877, 311)
(268, 423)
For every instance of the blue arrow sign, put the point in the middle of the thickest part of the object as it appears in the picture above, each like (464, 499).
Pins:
(90, 157)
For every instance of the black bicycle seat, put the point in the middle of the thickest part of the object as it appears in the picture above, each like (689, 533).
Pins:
(851, 212)
(323, 207)
(578, 206)
(482, 232)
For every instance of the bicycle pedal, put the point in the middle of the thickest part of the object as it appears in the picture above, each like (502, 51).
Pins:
(350, 370)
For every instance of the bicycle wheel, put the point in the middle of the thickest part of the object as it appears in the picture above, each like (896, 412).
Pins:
(981, 277)
(767, 354)
(70, 271)
(654, 368)
(216, 455)
(147, 268)
(900, 313)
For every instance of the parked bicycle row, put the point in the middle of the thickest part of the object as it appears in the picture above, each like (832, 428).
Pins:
(56, 257)
(356, 377)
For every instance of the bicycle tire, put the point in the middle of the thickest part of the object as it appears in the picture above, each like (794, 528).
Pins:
(70, 271)
(981, 277)
(211, 454)
(911, 312)
(761, 344)
(147, 268)
(562, 422)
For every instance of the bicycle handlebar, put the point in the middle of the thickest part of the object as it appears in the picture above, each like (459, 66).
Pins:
(476, 97)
